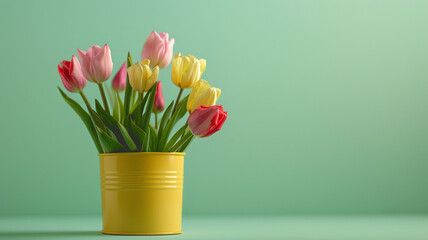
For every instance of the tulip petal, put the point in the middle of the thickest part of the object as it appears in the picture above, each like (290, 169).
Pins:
(135, 73)
(203, 65)
(176, 69)
(159, 104)
(205, 121)
(71, 75)
(153, 48)
(192, 75)
(65, 81)
(102, 63)
(206, 98)
(146, 75)
(200, 87)
(85, 62)
(152, 79)
(145, 62)
(166, 59)
(96, 50)
(76, 73)
(186, 70)
(119, 80)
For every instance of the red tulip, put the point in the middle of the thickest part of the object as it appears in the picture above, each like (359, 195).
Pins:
(205, 121)
(71, 75)
(119, 80)
(159, 103)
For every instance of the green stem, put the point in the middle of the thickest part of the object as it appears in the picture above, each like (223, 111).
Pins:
(118, 97)
(103, 96)
(176, 102)
(133, 97)
(140, 108)
(156, 120)
(187, 129)
(85, 99)
(121, 108)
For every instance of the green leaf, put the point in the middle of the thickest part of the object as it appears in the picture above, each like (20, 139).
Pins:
(111, 94)
(133, 95)
(104, 115)
(85, 118)
(186, 144)
(134, 105)
(165, 134)
(153, 138)
(108, 143)
(180, 143)
(138, 111)
(127, 138)
(128, 89)
(182, 108)
(175, 137)
(149, 108)
(145, 145)
(96, 120)
(164, 120)
(111, 134)
(113, 97)
(138, 132)
(121, 107)
(114, 123)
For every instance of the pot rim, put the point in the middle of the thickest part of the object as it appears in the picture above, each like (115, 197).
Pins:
(142, 153)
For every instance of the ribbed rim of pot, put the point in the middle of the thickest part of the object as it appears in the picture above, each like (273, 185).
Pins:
(142, 153)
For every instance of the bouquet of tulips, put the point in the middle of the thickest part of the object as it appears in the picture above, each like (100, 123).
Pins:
(127, 125)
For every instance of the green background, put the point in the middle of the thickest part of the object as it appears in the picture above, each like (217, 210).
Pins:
(327, 103)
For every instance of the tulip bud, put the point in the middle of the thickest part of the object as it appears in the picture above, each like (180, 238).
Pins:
(71, 75)
(159, 103)
(205, 121)
(96, 63)
(141, 77)
(119, 80)
(202, 94)
(187, 70)
(158, 49)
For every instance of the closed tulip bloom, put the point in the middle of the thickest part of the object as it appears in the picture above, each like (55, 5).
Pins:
(119, 80)
(202, 94)
(159, 103)
(158, 49)
(71, 75)
(187, 70)
(205, 121)
(141, 77)
(96, 63)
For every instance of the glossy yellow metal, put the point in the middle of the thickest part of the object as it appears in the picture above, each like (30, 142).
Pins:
(141, 193)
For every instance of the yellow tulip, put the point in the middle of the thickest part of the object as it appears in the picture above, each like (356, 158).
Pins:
(141, 77)
(202, 94)
(187, 70)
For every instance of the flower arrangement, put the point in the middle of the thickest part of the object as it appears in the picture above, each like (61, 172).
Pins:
(126, 125)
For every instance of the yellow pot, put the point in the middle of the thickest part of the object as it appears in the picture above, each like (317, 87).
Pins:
(142, 193)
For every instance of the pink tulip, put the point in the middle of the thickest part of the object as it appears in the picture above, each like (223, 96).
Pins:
(96, 63)
(205, 121)
(71, 75)
(158, 49)
(119, 80)
(159, 104)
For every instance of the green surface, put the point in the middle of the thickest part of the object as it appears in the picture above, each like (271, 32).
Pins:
(233, 228)
(327, 104)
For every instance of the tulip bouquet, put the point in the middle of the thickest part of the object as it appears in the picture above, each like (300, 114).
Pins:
(133, 124)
